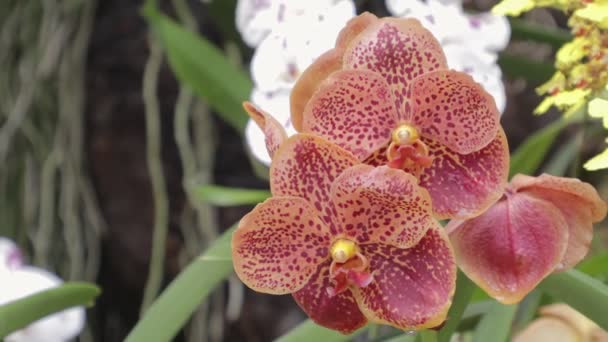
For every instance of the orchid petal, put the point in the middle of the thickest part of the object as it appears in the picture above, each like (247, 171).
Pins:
(274, 65)
(412, 288)
(255, 19)
(338, 312)
(451, 108)
(382, 205)
(511, 247)
(278, 246)
(276, 103)
(353, 109)
(273, 130)
(353, 28)
(581, 191)
(305, 166)
(398, 49)
(309, 81)
(481, 65)
(464, 185)
(488, 31)
(578, 202)
(10, 255)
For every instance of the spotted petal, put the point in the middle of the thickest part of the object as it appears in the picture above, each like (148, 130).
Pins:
(273, 130)
(278, 246)
(463, 186)
(382, 205)
(354, 109)
(451, 108)
(579, 203)
(511, 247)
(399, 49)
(339, 312)
(412, 288)
(305, 166)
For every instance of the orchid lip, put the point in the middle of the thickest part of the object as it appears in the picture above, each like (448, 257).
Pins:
(348, 268)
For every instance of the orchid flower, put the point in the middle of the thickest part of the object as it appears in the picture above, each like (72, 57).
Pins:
(17, 281)
(284, 50)
(349, 241)
(384, 93)
(471, 42)
(541, 225)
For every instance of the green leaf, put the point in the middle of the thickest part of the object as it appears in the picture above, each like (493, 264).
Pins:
(582, 292)
(525, 30)
(464, 291)
(531, 153)
(19, 313)
(563, 158)
(402, 338)
(226, 196)
(204, 68)
(496, 324)
(170, 312)
(595, 266)
(310, 331)
(527, 310)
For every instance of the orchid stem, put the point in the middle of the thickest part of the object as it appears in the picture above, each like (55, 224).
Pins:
(427, 336)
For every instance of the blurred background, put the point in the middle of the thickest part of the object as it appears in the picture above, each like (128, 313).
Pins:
(99, 142)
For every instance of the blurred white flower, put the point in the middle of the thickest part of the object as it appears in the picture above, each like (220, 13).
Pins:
(18, 281)
(471, 42)
(255, 19)
(289, 36)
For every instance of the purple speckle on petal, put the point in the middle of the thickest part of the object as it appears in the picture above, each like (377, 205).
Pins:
(475, 23)
(281, 15)
(430, 18)
(14, 259)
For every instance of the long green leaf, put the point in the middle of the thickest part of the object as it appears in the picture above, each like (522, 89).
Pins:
(525, 30)
(563, 158)
(464, 291)
(226, 196)
(580, 291)
(309, 331)
(19, 313)
(201, 66)
(170, 312)
(496, 324)
(531, 153)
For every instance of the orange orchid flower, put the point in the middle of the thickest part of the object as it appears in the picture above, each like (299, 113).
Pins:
(541, 225)
(384, 93)
(351, 242)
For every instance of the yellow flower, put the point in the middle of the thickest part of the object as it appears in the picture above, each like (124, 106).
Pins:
(598, 108)
(513, 7)
(598, 162)
(568, 101)
(596, 12)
